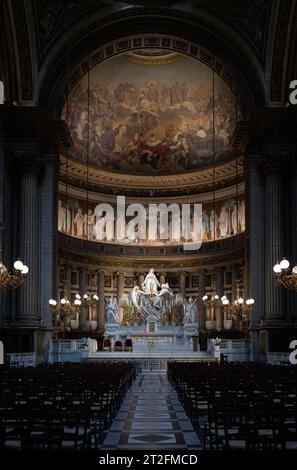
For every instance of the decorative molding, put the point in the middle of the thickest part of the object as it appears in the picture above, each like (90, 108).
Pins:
(194, 182)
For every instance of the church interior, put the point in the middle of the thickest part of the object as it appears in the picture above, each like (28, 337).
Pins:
(148, 225)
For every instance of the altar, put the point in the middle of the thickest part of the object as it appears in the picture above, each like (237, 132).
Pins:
(154, 320)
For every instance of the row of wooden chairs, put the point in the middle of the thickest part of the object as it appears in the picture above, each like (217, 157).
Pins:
(60, 406)
(118, 345)
(246, 405)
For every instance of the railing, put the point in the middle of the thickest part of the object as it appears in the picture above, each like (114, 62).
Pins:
(22, 359)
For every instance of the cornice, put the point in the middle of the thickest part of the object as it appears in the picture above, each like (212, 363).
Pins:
(195, 182)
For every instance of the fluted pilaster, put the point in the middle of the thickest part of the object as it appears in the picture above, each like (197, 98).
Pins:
(101, 303)
(28, 248)
(274, 297)
(182, 284)
(84, 312)
(201, 306)
(120, 286)
(219, 308)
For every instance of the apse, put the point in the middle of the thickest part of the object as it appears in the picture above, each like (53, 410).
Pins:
(152, 112)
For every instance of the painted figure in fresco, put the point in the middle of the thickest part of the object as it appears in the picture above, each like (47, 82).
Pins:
(205, 226)
(241, 216)
(214, 224)
(82, 126)
(61, 215)
(151, 283)
(90, 224)
(67, 219)
(100, 228)
(79, 221)
(234, 219)
(224, 222)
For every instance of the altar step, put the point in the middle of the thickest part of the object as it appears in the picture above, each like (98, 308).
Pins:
(151, 417)
(150, 362)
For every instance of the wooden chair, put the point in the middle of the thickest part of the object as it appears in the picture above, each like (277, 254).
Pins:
(128, 347)
(118, 346)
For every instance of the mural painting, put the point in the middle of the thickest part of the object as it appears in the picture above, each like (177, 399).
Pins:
(144, 118)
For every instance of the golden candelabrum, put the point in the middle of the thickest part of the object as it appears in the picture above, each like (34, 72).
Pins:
(212, 301)
(64, 311)
(15, 279)
(240, 310)
(284, 276)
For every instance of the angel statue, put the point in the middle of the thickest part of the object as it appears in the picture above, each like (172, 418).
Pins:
(151, 283)
(112, 311)
(190, 311)
(135, 297)
(164, 297)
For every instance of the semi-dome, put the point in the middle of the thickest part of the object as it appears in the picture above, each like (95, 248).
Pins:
(151, 111)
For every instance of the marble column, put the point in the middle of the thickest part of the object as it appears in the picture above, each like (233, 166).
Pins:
(120, 286)
(201, 306)
(182, 284)
(292, 300)
(274, 298)
(219, 309)
(101, 301)
(28, 311)
(48, 234)
(2, 202)
(84, 310)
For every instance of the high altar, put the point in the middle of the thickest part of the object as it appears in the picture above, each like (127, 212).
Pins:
(154, 319)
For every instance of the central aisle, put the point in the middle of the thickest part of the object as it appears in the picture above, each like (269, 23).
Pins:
(151, 417)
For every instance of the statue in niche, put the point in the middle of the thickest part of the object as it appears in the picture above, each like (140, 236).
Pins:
(190, 311)
(151, 283)
(112, 311)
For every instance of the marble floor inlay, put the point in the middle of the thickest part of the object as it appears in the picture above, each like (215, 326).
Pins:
(151, 417)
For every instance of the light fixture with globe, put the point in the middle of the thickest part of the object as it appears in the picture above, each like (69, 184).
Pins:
(64, 311)
(11, 280)
(285, 276)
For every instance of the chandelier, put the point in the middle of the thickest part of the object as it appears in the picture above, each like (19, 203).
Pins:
(15, 279)
(284, 276)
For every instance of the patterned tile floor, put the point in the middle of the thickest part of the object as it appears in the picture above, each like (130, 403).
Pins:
(151, 417)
